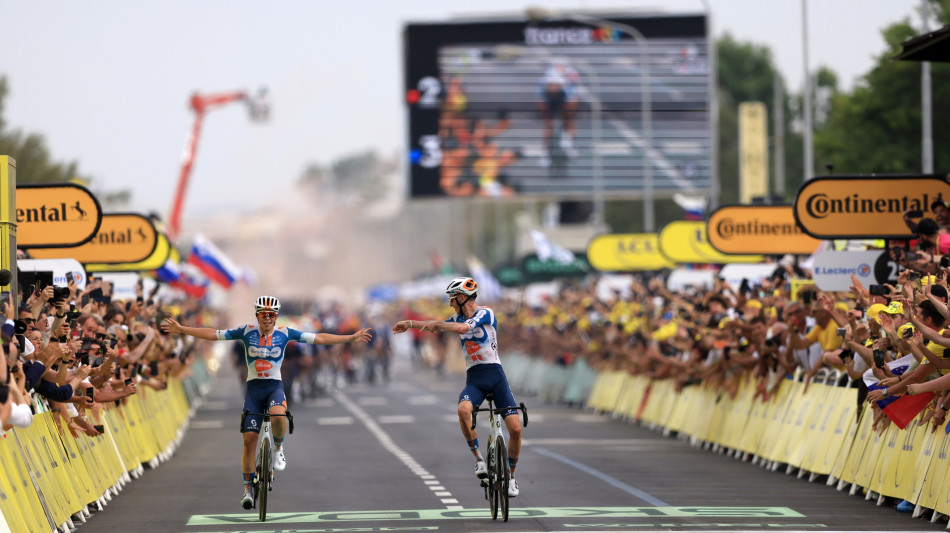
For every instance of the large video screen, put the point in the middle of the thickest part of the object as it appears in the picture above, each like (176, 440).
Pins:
(560, 108)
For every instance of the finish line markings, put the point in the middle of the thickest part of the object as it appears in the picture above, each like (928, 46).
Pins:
(611, 513)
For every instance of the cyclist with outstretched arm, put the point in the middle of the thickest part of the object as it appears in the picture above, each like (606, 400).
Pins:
(264, 346)
(477, 328)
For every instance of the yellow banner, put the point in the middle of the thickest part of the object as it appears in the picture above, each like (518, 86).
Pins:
(753, 151)
(626, 252)
(122, 238)
(56, 215)
(865, 207)
(163, 252)
(8, 226)
(683, 241)
(758, 229)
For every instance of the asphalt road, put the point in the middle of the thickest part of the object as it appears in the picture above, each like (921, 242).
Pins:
(390, 457)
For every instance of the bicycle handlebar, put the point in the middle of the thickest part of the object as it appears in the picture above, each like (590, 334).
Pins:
(521, 407)
(290, 418)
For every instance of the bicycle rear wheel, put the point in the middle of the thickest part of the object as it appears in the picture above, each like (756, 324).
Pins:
(501, 473)
(263, 478)
(492, 483)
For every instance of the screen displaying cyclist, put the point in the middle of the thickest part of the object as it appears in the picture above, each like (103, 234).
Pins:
(264, 346)
(477, 328)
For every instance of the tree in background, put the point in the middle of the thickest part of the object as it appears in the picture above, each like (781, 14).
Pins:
(33, 159)
(876, 128)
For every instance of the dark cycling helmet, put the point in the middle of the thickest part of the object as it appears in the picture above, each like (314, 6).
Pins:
(465, 286)
(267, 303)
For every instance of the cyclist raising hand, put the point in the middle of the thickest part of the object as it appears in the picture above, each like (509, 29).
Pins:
(264, 346)
(477, 328)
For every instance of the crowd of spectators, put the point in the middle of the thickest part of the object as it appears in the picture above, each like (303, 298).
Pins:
(75, 352)
(883, 340)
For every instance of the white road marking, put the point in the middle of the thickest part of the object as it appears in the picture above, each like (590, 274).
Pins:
(214, 406)
(321, 402)
(587, 418)
(397, 419)
(372, 400)
(335, 420)
(207, 424)
(641, 443)
(390, 445)
(423, 400)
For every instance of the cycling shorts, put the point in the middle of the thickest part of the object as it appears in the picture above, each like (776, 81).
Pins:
(483, 379)
(262, 394)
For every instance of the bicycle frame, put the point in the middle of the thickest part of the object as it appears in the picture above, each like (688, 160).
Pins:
(264, 478)
(496, 487)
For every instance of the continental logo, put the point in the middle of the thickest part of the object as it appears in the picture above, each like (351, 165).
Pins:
(822, 205)
(754, 229)
(163, 252)
(683, 241)
(57, 215)
(121, 238)
(728, 228)
(847, 207)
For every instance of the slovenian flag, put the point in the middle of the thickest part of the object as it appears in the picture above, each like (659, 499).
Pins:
(171, 270)
(694, 207)
(212, 262)
(192, 282)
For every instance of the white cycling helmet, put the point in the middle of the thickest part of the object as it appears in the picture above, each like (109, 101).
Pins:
(465, 286)
(267, 303)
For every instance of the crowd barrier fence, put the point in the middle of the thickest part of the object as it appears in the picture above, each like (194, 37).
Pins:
(814, 431)
(49, 479)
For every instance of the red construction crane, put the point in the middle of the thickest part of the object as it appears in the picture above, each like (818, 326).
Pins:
(259, 109)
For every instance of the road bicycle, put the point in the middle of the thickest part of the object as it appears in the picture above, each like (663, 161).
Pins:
(264, 471)
(496, 485)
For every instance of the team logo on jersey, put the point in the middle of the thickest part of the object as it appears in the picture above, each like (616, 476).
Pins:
(268, 352)
(472, 347)
(262, 366)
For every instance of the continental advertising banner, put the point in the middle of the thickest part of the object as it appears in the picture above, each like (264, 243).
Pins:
(865, 207)
(627, 252)
(162, 253)
(758, 229)
(55, 215)
(121, 238)
(685, 241)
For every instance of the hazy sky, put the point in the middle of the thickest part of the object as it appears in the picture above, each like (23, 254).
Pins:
(107, 82)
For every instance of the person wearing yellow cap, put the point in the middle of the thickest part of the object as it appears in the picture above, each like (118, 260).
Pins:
(932, 325)
(874, 310)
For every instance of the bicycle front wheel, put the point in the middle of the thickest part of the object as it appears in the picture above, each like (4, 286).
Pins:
(263, 478)
(501, 473)
(492, 483)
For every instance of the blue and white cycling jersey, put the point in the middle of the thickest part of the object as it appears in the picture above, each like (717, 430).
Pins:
(264, 354)
(480, 344)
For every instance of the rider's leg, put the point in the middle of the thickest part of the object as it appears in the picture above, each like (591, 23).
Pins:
(278, 424)
(465, 422)
(247, 457)
(513, 421)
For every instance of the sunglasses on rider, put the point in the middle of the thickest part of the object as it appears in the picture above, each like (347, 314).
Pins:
(267, 314)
